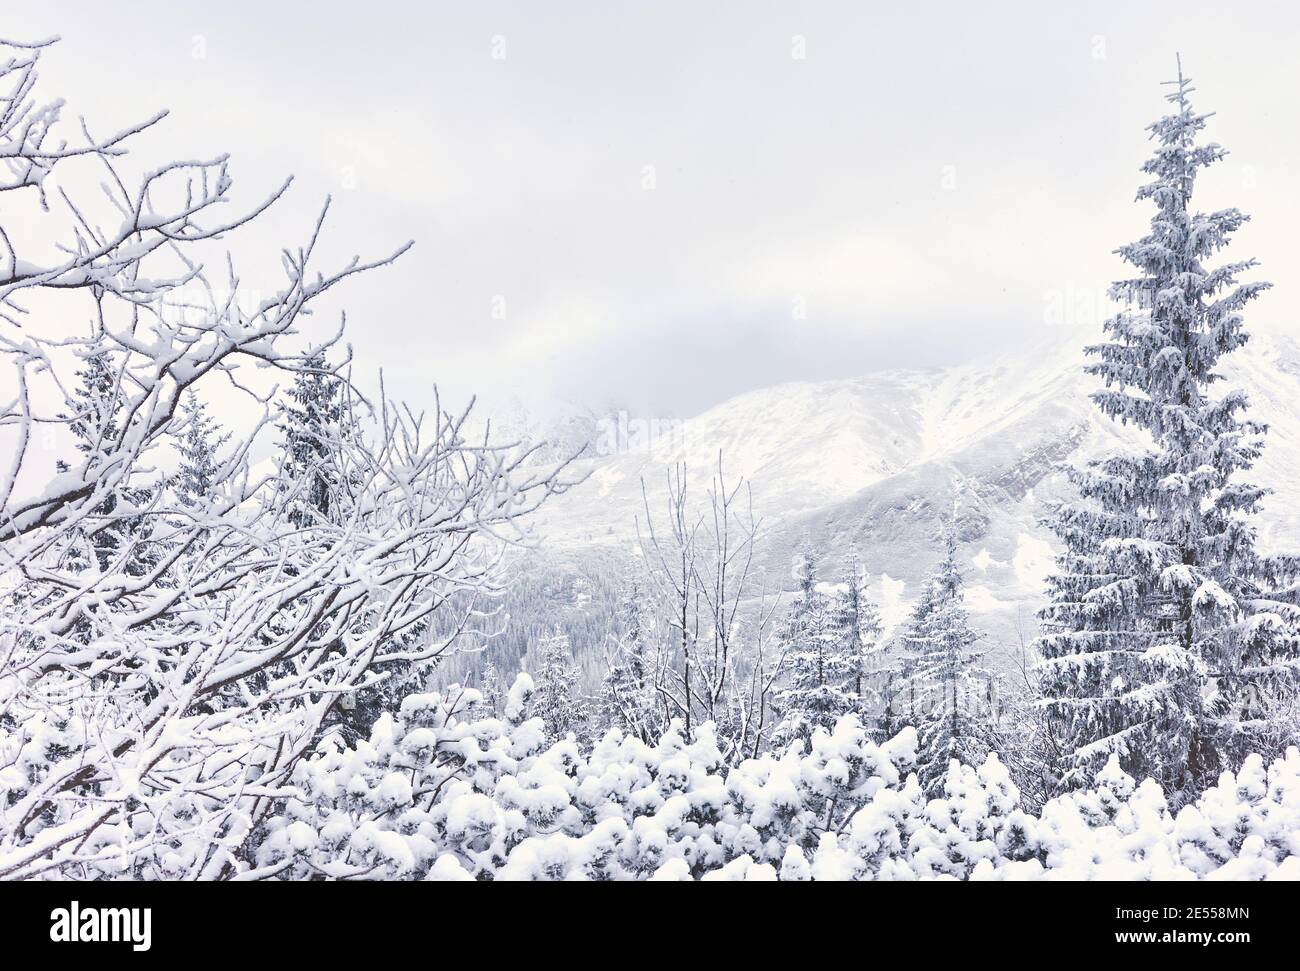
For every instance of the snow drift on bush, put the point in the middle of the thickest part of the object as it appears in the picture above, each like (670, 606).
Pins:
(437, 793)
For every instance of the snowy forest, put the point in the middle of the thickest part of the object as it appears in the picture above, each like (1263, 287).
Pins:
(260, 621)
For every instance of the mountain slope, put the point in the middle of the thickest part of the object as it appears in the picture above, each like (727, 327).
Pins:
(872, 464)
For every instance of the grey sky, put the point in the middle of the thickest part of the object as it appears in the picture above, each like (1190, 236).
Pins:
(922, 184)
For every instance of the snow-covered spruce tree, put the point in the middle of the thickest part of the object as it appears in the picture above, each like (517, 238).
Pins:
(855, 621)
(312, 425)
(822, 664)
(556, 698)
(199, 469)
(97, 402)
(317, 422)
(947, 690)
(121, 541)
(1163, 625)
(490, 689)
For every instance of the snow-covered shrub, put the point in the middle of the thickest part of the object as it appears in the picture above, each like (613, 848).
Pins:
(440, 793)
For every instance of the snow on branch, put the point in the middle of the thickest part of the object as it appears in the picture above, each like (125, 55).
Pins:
(171, 645)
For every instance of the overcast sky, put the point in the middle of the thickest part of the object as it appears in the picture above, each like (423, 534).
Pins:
(661, 205)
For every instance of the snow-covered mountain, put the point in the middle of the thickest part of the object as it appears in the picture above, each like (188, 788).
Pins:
(873, 463)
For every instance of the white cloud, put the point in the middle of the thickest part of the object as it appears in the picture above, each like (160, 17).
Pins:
(921, 206)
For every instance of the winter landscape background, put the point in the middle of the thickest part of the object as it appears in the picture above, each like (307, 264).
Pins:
(847, 499)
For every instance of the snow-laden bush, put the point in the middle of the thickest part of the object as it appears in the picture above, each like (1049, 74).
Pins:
(436, 793)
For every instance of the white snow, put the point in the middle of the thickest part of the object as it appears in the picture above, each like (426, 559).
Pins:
(900, 441)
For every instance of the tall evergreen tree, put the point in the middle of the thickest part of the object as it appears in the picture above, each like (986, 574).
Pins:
(855, 621)
(1161, 627)
(947, 690)
(490, 688)
(199, 468)
(95, 426)
(556, 699)
(312, 425)
(98, 401)
(822, 640)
